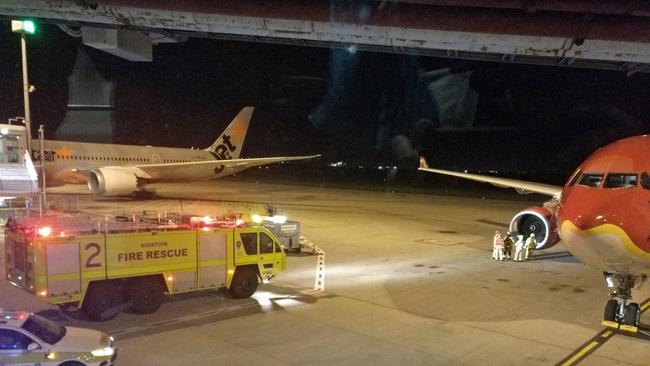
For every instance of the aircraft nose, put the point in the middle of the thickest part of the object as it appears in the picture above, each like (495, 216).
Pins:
(585, 221)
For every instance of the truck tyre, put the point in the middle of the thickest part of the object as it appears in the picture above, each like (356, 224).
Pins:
(146, 293)
(71, 363)
(244, 284)
(100, 297)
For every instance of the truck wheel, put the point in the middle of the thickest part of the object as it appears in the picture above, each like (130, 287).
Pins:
(244, 284)
(100, 297)
(146, 294)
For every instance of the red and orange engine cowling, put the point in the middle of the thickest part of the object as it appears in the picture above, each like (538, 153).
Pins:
(540, 221)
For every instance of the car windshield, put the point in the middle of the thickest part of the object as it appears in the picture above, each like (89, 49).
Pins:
(45, 329)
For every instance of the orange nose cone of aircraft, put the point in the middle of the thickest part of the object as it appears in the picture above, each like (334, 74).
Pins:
(612, 187)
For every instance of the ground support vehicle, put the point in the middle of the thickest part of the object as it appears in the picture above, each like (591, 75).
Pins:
(288, 232)
(29, 339)
(106, 266)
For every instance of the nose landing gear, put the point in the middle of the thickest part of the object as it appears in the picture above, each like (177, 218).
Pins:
(618, 313)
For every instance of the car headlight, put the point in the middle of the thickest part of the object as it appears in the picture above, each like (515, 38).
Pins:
(103, 352)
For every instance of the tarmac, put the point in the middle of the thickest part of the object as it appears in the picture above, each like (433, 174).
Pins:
(409, 280)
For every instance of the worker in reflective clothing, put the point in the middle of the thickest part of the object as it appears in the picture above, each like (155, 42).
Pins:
(497, 246)
(530, 245)
(519, 248)
(507, 245)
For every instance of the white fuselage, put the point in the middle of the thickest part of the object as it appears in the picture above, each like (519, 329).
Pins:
(67, 162)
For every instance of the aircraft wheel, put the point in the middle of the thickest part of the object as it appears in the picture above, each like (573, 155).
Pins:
(102, 296)
(632, 314)
(610, 310)
(146, 293)
(244, 284)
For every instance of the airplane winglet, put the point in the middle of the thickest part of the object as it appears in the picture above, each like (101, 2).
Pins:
(423, 163)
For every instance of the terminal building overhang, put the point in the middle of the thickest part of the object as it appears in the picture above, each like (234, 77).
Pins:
(613, 35)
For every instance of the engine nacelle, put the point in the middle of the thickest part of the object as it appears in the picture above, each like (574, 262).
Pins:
(112, 181)
(537, 220)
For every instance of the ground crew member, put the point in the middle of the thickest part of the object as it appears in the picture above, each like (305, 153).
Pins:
(519, 248)
(497, 246)
(507, 245)
(531, 243)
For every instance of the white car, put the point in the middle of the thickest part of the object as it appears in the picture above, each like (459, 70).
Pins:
(30, 339)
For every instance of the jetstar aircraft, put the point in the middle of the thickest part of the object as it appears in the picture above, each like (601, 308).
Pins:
(602, 215)
(125, 170)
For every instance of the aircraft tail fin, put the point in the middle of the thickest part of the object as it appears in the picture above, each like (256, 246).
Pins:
(229, 144)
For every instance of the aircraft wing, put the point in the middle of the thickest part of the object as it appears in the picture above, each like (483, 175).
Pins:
(520, 185)
(155, 169)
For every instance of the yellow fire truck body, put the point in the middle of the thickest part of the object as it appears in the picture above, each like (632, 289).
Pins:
(106, 265)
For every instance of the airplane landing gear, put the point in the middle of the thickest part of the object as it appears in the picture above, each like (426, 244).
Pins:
(143, 195)
(618, 312)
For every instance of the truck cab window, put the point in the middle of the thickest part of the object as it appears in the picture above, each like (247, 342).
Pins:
(266, 243)
(249, 240)
(620, 180)
(590, 179)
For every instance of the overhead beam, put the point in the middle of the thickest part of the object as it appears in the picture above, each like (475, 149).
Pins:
(415, 26)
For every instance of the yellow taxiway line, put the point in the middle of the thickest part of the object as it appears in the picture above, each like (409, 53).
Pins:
(594, 343)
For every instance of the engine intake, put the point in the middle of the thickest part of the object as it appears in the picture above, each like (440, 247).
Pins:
(537, 220)
(112, 181)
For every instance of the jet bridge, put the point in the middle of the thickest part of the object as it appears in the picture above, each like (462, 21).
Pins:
(18, 177)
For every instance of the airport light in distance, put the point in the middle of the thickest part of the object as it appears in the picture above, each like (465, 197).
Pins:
(23, 26)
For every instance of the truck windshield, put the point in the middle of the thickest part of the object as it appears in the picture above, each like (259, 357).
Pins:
(43, 328)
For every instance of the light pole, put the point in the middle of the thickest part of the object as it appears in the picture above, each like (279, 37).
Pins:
(22, 27)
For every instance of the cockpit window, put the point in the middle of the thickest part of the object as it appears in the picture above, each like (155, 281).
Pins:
(620, 180)
(645, 180)
(574, 177)
(591, 179)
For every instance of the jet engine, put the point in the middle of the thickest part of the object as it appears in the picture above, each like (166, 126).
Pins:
(112, 181)
(537, 220)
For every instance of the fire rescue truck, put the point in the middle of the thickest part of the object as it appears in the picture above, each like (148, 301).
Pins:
(105, 266)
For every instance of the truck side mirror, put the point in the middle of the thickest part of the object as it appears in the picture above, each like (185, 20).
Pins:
(33, 347)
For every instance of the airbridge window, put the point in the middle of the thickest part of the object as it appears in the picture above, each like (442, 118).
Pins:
(10, 149)
(590, 179)
(620, 180)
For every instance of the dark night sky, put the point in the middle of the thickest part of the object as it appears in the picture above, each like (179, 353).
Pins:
(348, 107)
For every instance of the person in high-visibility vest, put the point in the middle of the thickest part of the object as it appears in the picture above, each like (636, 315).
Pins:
(507, 245)
(497, 246)
(519, 248)
(530, 245)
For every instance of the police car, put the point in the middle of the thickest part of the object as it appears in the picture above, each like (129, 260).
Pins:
(30, 339)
